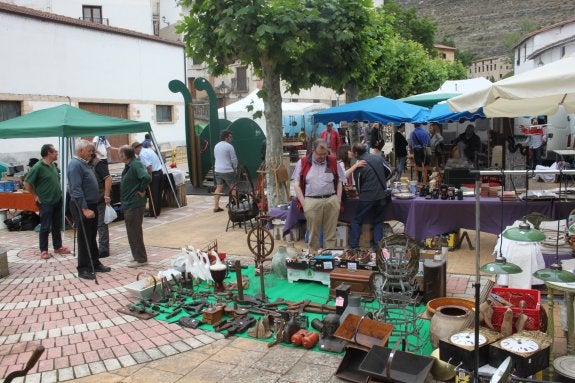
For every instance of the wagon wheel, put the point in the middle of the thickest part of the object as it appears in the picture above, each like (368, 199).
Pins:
(260, 243)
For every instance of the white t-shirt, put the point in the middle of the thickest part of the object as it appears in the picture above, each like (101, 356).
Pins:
(101, 147)
(225, 158)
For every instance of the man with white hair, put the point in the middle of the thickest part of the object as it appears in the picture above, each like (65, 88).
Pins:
(84, 195)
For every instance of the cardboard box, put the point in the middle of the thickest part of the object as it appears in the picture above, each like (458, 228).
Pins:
(278, 231)
(366, 236)
(341, 235)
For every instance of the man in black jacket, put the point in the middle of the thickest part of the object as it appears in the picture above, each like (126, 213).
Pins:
(371, 185)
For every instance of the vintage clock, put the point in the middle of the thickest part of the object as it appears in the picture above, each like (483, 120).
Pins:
(529, 352)
(460, 347)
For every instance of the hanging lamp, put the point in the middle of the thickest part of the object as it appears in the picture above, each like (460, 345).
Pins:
(524, 233)
(501, 266)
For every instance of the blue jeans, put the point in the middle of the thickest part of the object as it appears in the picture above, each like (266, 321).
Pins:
(377, 209)
(50, 221)
(400, 166)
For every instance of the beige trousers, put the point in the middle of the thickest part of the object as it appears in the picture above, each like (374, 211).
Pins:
(321, 213)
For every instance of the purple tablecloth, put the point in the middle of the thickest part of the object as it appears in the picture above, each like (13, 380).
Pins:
(425, 218)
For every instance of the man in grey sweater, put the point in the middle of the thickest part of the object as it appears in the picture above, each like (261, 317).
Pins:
(371, 185)
(84, 194)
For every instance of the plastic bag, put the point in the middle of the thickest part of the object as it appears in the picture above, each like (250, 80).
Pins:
(110, 215)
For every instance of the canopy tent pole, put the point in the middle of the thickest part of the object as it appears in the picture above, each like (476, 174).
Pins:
(165, 168)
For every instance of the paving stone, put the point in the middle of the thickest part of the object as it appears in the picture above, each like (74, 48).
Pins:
(81, 370)
(127, 360)
(65, 373)
(112, 364)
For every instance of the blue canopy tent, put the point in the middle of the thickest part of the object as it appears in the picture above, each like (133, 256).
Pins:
(441, 113)
(374, 109)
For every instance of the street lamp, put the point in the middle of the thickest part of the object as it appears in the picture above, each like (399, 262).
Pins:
(224, 90)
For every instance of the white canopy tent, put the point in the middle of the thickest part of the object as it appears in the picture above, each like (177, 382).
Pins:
(539, 91)
(239, 109)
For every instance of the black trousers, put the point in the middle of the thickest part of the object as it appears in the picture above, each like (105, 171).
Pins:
(157, 187)
(87, 230)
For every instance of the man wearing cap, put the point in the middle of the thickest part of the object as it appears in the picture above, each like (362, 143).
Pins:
(152, 163)
(331, 136)
(318, 187)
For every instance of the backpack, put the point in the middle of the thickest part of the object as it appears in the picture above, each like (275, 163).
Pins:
(26, 220)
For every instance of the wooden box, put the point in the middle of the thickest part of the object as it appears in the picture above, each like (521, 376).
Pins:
(361, 281)
(168, 198)
(212, 315)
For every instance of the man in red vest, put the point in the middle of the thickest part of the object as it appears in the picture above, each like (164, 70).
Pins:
(331, 136)
(318, 187)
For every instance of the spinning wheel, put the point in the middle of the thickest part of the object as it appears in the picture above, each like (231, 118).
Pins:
(260, 243)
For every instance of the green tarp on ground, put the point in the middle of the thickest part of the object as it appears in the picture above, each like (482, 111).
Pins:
(296, 292)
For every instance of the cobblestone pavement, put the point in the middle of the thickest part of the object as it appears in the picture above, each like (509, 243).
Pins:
(87, 340)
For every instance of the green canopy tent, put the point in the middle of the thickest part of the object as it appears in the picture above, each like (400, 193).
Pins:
(428, 99)
(66, 122)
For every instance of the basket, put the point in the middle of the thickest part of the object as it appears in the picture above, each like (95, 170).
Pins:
(140, 289)
(532, 308)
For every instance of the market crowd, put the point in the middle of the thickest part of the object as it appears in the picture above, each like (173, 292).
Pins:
(89, 197)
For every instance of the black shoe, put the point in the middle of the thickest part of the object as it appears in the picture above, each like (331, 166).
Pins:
(148, 215)
(104, 254)
(86, 275)
(102, 269)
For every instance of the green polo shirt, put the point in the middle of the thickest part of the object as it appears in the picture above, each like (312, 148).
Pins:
(46, 182)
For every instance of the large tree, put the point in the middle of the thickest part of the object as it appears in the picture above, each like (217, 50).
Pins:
(302, 42)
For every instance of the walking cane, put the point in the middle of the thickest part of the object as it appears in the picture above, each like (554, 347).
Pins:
(152, 201)
(85, 239)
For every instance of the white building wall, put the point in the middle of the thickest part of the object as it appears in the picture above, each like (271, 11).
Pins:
(50, 63)
(135, 15)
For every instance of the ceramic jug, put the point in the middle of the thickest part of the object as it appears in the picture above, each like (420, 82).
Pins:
(446, 321)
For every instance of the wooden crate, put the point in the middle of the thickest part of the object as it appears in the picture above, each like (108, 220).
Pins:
(168, 198)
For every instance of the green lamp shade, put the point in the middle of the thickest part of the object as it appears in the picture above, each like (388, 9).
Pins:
(555, 273)
(523, 233)
(500, 266)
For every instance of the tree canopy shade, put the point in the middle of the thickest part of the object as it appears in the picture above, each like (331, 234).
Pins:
(301, 42)
(68, 121)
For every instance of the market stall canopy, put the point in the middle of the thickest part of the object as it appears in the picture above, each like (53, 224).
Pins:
(464, 86)
(428, 99)
(67, 121)
(441, 113)
(374, 109)
(239, 109)
(536, 92)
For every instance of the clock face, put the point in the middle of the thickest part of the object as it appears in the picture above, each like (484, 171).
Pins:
(466, 338)
(519, 345)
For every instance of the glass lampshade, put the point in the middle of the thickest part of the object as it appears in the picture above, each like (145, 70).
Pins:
(501, 266)
(523, 233)
(555, 273)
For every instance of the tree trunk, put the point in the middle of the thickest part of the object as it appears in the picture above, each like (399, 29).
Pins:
(351, 92)
(274, 138)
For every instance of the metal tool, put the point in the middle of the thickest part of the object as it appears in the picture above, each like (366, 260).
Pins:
(31, 362)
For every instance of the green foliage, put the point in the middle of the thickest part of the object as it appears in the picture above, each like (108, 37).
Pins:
(409, 25)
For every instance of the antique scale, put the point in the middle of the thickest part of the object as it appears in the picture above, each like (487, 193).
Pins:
(460, 347)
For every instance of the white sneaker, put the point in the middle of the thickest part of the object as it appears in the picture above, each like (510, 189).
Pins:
(134, 263)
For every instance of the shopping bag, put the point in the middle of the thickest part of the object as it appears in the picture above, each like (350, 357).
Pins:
(110, 215)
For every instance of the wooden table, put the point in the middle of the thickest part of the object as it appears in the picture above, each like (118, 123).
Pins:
(18, 201)
(569, 290)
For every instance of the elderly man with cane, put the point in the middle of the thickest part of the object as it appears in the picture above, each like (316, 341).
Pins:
(84, 195)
